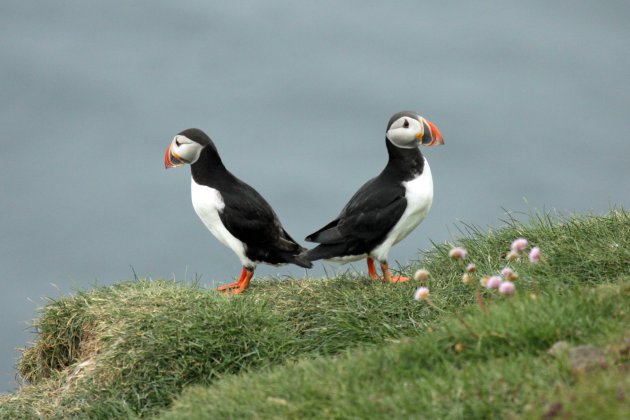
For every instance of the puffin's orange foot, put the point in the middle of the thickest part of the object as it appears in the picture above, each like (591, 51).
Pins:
(372, 270)
(243, 282)
(389, 278)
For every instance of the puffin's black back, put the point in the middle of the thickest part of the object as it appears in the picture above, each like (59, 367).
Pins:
(247, 215)
(373, 210)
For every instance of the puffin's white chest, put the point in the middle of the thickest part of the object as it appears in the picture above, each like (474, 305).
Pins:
(419, 195)
(208, 204)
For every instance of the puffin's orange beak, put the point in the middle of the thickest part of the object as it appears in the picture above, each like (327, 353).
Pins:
(436, 136)
(430, 135)
(171, 159)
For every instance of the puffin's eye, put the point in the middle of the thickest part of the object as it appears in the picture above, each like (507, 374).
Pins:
(177, 143)
(406, 124)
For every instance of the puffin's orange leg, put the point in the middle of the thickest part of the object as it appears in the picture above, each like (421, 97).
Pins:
(372, 269)
(245, 283)
(234, 285)
(388, 277)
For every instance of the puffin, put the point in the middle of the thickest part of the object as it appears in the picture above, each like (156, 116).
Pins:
(235, 213)
(386, 208)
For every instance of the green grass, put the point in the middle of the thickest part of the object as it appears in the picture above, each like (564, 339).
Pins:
(347, 347)
(502, 373)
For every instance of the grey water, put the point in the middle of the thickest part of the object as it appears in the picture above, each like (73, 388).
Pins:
(533, 100)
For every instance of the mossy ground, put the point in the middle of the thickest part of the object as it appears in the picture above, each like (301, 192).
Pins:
(348, 347)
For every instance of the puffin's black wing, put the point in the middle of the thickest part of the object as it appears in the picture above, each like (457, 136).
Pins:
(365, 221)
(249, 217)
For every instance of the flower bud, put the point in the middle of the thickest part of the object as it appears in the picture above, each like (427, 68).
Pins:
(457, 253)
(509, 274)
(466, 278)
(421, 275)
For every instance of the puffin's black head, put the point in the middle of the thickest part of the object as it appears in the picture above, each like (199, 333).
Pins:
(408, 130)
(186, 148)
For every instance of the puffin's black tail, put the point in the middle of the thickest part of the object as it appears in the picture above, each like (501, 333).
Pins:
(298, 260)
(324, 251)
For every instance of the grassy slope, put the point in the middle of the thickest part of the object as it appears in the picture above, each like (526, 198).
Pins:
(505, 372)
(131, 348)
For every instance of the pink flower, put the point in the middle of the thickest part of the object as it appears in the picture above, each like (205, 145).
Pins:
(519, 245)
(422, 293)
(512, 256)
(457, 253)
(507, 288)
(493, 282)
(534, 255)
(471, 268)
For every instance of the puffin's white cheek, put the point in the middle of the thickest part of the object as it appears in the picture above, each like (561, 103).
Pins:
(403, 137)
(188, 152)
(183, 152)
